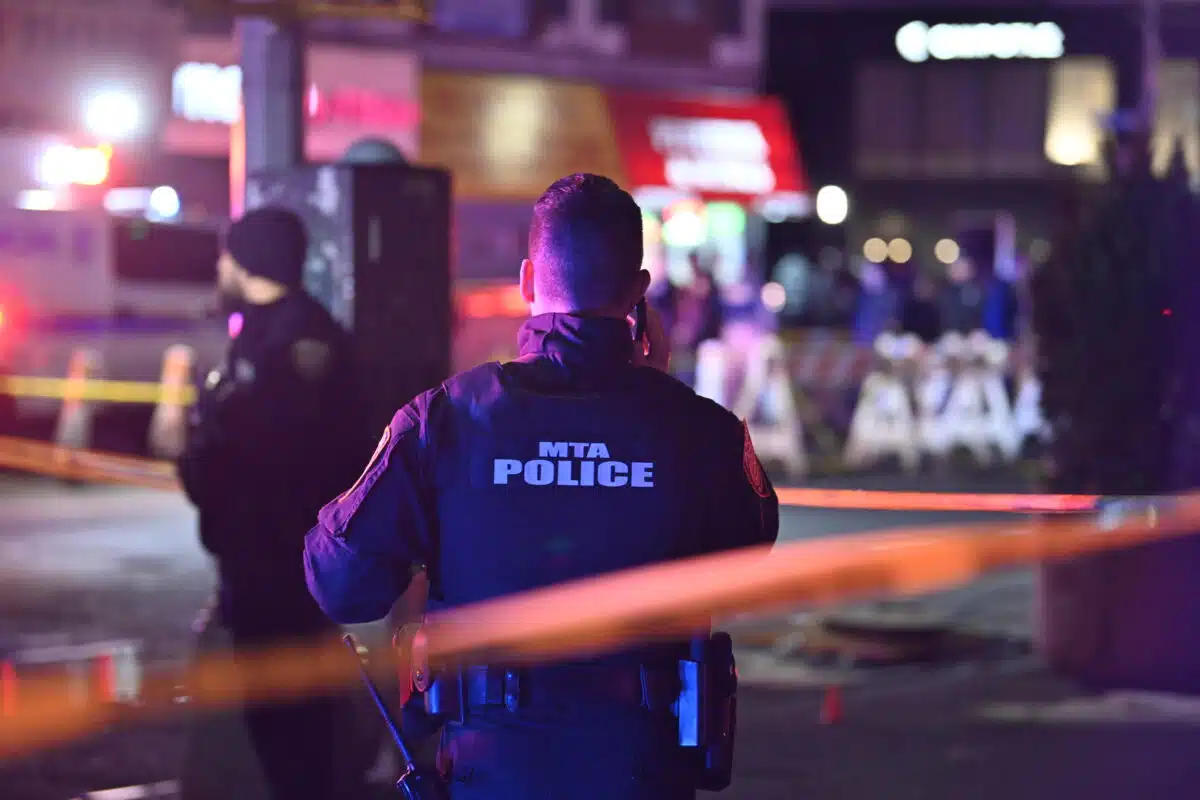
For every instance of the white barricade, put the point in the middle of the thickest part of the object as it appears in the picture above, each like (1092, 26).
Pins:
(712, 371)
(964, 401)
(883, 423)
(767, 388)
(1001, 424)
(1028, 418)
(934, 383)
(168, 426)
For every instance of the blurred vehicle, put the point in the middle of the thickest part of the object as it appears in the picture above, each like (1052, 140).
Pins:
(124, 287)
(8, 408)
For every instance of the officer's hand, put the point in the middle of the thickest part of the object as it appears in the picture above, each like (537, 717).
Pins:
(655, 349)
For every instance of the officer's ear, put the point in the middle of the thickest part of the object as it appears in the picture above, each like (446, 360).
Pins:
(526, 281)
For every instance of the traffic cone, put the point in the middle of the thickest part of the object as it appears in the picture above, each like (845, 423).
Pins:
(104, 679)
(73, 429)
(8, 689)
(831, 705)
(168, 426)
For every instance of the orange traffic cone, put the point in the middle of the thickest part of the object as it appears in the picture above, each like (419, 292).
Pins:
(831, 705)
(8, 689)
(104, 679)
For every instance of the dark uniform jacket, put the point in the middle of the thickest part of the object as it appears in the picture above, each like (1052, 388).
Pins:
(272, 439)
(566, 463)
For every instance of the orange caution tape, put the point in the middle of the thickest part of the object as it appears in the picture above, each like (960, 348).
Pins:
(87, 465)
(677, 598)
(863, 500)
(661, 601)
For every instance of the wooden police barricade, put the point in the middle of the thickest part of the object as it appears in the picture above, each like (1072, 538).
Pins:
(998, 408)
(964, 421)
(932, 387)
(883, 423)
(768, 386)
(1028, 419)
(978, 414)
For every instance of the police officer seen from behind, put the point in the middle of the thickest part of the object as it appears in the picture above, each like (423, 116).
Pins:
(271, 440)
(581, 457)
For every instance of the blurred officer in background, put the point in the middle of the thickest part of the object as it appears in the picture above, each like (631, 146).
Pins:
(581, 457)
(271, 439)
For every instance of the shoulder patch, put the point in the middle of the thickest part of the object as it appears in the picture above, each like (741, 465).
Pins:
(753, 468)
(311, 358)
(379, 449)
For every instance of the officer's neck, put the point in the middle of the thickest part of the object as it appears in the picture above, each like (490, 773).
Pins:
(261, 292)
(537, 309)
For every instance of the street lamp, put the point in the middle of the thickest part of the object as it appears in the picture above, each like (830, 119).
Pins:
(112, 115)
(832, 205)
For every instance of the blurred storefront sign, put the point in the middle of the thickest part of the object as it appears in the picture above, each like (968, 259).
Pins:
(57, 58)
(917, 42)
(735, 150)
(354, 94)
(705, 171)
(509, 137)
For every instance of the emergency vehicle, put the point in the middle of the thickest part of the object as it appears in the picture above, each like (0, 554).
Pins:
(125, 288)
(128, 289)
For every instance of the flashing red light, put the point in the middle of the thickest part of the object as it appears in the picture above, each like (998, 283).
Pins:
(10, 313)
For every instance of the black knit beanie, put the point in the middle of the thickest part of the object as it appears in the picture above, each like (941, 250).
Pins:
(271, 243)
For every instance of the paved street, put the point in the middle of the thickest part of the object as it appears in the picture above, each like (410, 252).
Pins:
(87, 563)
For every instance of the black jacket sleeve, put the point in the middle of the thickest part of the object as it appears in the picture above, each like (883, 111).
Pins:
(746, 511)
(375, 536)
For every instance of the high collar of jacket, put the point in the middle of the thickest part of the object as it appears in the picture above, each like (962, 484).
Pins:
(578, 342)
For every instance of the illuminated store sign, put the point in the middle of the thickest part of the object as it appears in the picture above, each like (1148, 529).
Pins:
(713, 155)
(213, 93)
(917, 41)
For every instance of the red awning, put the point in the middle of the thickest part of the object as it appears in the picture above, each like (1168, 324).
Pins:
(718, 149)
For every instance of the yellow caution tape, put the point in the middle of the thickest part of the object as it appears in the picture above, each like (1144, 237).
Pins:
(97, 390)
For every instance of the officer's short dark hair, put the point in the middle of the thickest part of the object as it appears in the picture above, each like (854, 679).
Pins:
(586, 241)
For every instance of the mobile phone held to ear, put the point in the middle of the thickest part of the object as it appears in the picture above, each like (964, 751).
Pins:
(639, 321)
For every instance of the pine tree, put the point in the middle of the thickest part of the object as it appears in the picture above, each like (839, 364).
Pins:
(1117, 320)
(1104, 322)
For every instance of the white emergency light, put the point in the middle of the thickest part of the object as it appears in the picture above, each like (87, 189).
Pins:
(113, 115)
(833, 205)
(62, 164)
(164, 202)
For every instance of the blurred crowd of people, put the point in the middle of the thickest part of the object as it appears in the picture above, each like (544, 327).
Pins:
(871, 299)
(692, 311)
(867, 299)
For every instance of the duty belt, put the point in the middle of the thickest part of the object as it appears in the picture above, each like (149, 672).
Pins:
(701, 691)
(622, 686)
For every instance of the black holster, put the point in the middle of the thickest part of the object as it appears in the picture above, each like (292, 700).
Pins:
(707, 710)
(705, 707)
